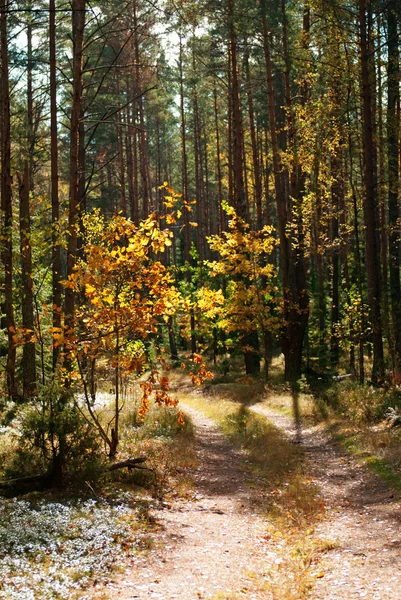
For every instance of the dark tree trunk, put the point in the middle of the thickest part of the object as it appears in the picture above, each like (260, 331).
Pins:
(56, 249)
(292, 262)
(250, 340)
(370, 206)
(187, 232)
(239, 200)
(31, 135)
(6, 204)
(28, 350)
(393, 131)
(78, 26)
(218, 159)
(255, 156)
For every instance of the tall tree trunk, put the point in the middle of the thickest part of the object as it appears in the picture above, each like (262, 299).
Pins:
(249, 340)
(141, 134)
(121, 164)
(255, 156)
(78, 26)
(370, 207)
(393, 130)
(218, 165)
(292, 263)
(198, 166)
(384, 237)
(337, 200)
(56, 248)
(6, 204)
(185, 189)
(31, 135)
(28, 350)
(239, 199)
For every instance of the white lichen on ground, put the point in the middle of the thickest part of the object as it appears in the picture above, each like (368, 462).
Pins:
(52, 549)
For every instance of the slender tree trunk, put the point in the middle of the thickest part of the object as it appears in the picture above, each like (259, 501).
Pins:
(187, 232)
(198, 167)
(56, 248)
(218, 159)
(292, 262)
(185, 187)
(393, 130)
(141, 134)
(31, 135)
(370, 207)
(172, 340)
(382, 201)
(6, 204)
(130, 162)
(78, 26)
(255, 156)
(336, 198)
(238, 138)
(249, 340)
(28, 350)
(121, 162)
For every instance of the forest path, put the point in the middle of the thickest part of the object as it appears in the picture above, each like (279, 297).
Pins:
(362, 516)
(214, 545)
(211, 544)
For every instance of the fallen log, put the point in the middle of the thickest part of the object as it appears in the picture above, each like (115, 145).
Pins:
(24, 485)
(130, 463)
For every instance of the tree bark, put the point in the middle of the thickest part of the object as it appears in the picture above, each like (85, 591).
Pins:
(56, 248)
(28, 350)
(370, 206)
(6, 204)
(393, 129)
(78, 26)
(292, 263)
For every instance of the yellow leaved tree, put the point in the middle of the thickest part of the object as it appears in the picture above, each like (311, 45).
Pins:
(125, 293)
(251, 302)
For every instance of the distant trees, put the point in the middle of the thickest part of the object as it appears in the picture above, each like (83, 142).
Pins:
(288, 112)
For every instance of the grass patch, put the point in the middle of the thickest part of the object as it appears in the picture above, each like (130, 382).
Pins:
(378, 449)
(167, 446)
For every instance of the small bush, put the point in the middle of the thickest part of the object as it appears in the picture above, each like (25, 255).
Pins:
(40, 427)
(361, 404)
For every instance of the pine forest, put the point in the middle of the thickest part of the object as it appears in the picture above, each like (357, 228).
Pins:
(200, 219)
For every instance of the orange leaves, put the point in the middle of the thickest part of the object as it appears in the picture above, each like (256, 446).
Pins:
(161, 396)
(199, 377)
(164, 383)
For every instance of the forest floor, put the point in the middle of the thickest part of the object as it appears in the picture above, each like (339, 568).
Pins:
(224, 541)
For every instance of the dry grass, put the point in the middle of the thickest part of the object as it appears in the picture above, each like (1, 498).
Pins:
(282, 491)
(167, 446)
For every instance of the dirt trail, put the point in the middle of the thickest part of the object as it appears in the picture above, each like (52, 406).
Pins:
(362, 516)
(213, 543)
(210, 544)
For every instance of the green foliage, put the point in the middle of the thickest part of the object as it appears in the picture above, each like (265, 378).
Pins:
(361, 404)
(45, 423)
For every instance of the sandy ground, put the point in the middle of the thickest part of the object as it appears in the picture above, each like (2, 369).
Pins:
(363, 517)
(211, 545)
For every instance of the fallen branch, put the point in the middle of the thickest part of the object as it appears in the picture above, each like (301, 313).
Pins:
(130, 463)
(23, 485)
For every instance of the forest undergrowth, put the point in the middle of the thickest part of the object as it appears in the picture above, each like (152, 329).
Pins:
(55, 544)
